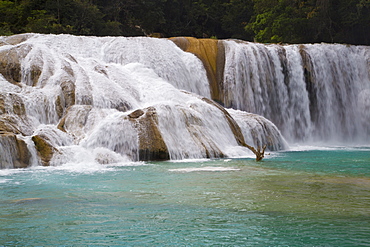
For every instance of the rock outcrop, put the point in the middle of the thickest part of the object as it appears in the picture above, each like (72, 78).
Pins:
(151, 143)
(258, 131)
(212, 53)
(44, 149)
(14, 152)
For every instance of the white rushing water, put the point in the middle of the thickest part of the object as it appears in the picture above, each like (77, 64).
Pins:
(104, 100)
(316, 92)
(77, 94)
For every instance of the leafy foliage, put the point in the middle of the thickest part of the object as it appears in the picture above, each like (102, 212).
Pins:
(300, 21)
(290, 21)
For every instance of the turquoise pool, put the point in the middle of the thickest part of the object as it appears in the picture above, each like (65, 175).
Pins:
(293, 198)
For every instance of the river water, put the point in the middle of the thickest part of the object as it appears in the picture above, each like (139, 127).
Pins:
(307, 196)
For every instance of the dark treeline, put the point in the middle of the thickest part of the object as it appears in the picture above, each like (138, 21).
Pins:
(287, 21)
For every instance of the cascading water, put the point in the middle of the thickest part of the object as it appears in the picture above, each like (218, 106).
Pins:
(103, 100)
(65, 98)
(311, 92)
(92, 107)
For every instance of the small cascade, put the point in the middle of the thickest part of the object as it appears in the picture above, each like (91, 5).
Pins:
(9, 152)
(115, 133)
(179, 68)
(311, 92)
(198, 130)
(259, 131)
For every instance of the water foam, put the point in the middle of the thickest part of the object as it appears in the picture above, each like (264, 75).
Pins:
(204, 169)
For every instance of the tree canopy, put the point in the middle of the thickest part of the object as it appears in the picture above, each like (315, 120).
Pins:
(288, 21)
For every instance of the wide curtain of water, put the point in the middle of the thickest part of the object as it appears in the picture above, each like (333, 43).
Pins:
(312, 92)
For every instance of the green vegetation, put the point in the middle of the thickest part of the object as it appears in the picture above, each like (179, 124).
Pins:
(290, 21)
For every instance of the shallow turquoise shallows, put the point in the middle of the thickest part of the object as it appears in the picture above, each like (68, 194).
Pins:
(294, 198)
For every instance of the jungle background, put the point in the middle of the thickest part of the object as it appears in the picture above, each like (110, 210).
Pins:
(267, 21)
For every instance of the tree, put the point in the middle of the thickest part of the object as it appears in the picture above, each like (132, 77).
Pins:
(8, 17)
(236, 16)
(290, 21)
(354, 22)
(301, 21)
(279, 21)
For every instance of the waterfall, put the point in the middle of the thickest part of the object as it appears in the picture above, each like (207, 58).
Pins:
(313, 92)
(98, 100)
(87, 100)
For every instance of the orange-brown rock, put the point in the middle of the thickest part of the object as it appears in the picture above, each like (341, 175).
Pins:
(211, 53)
